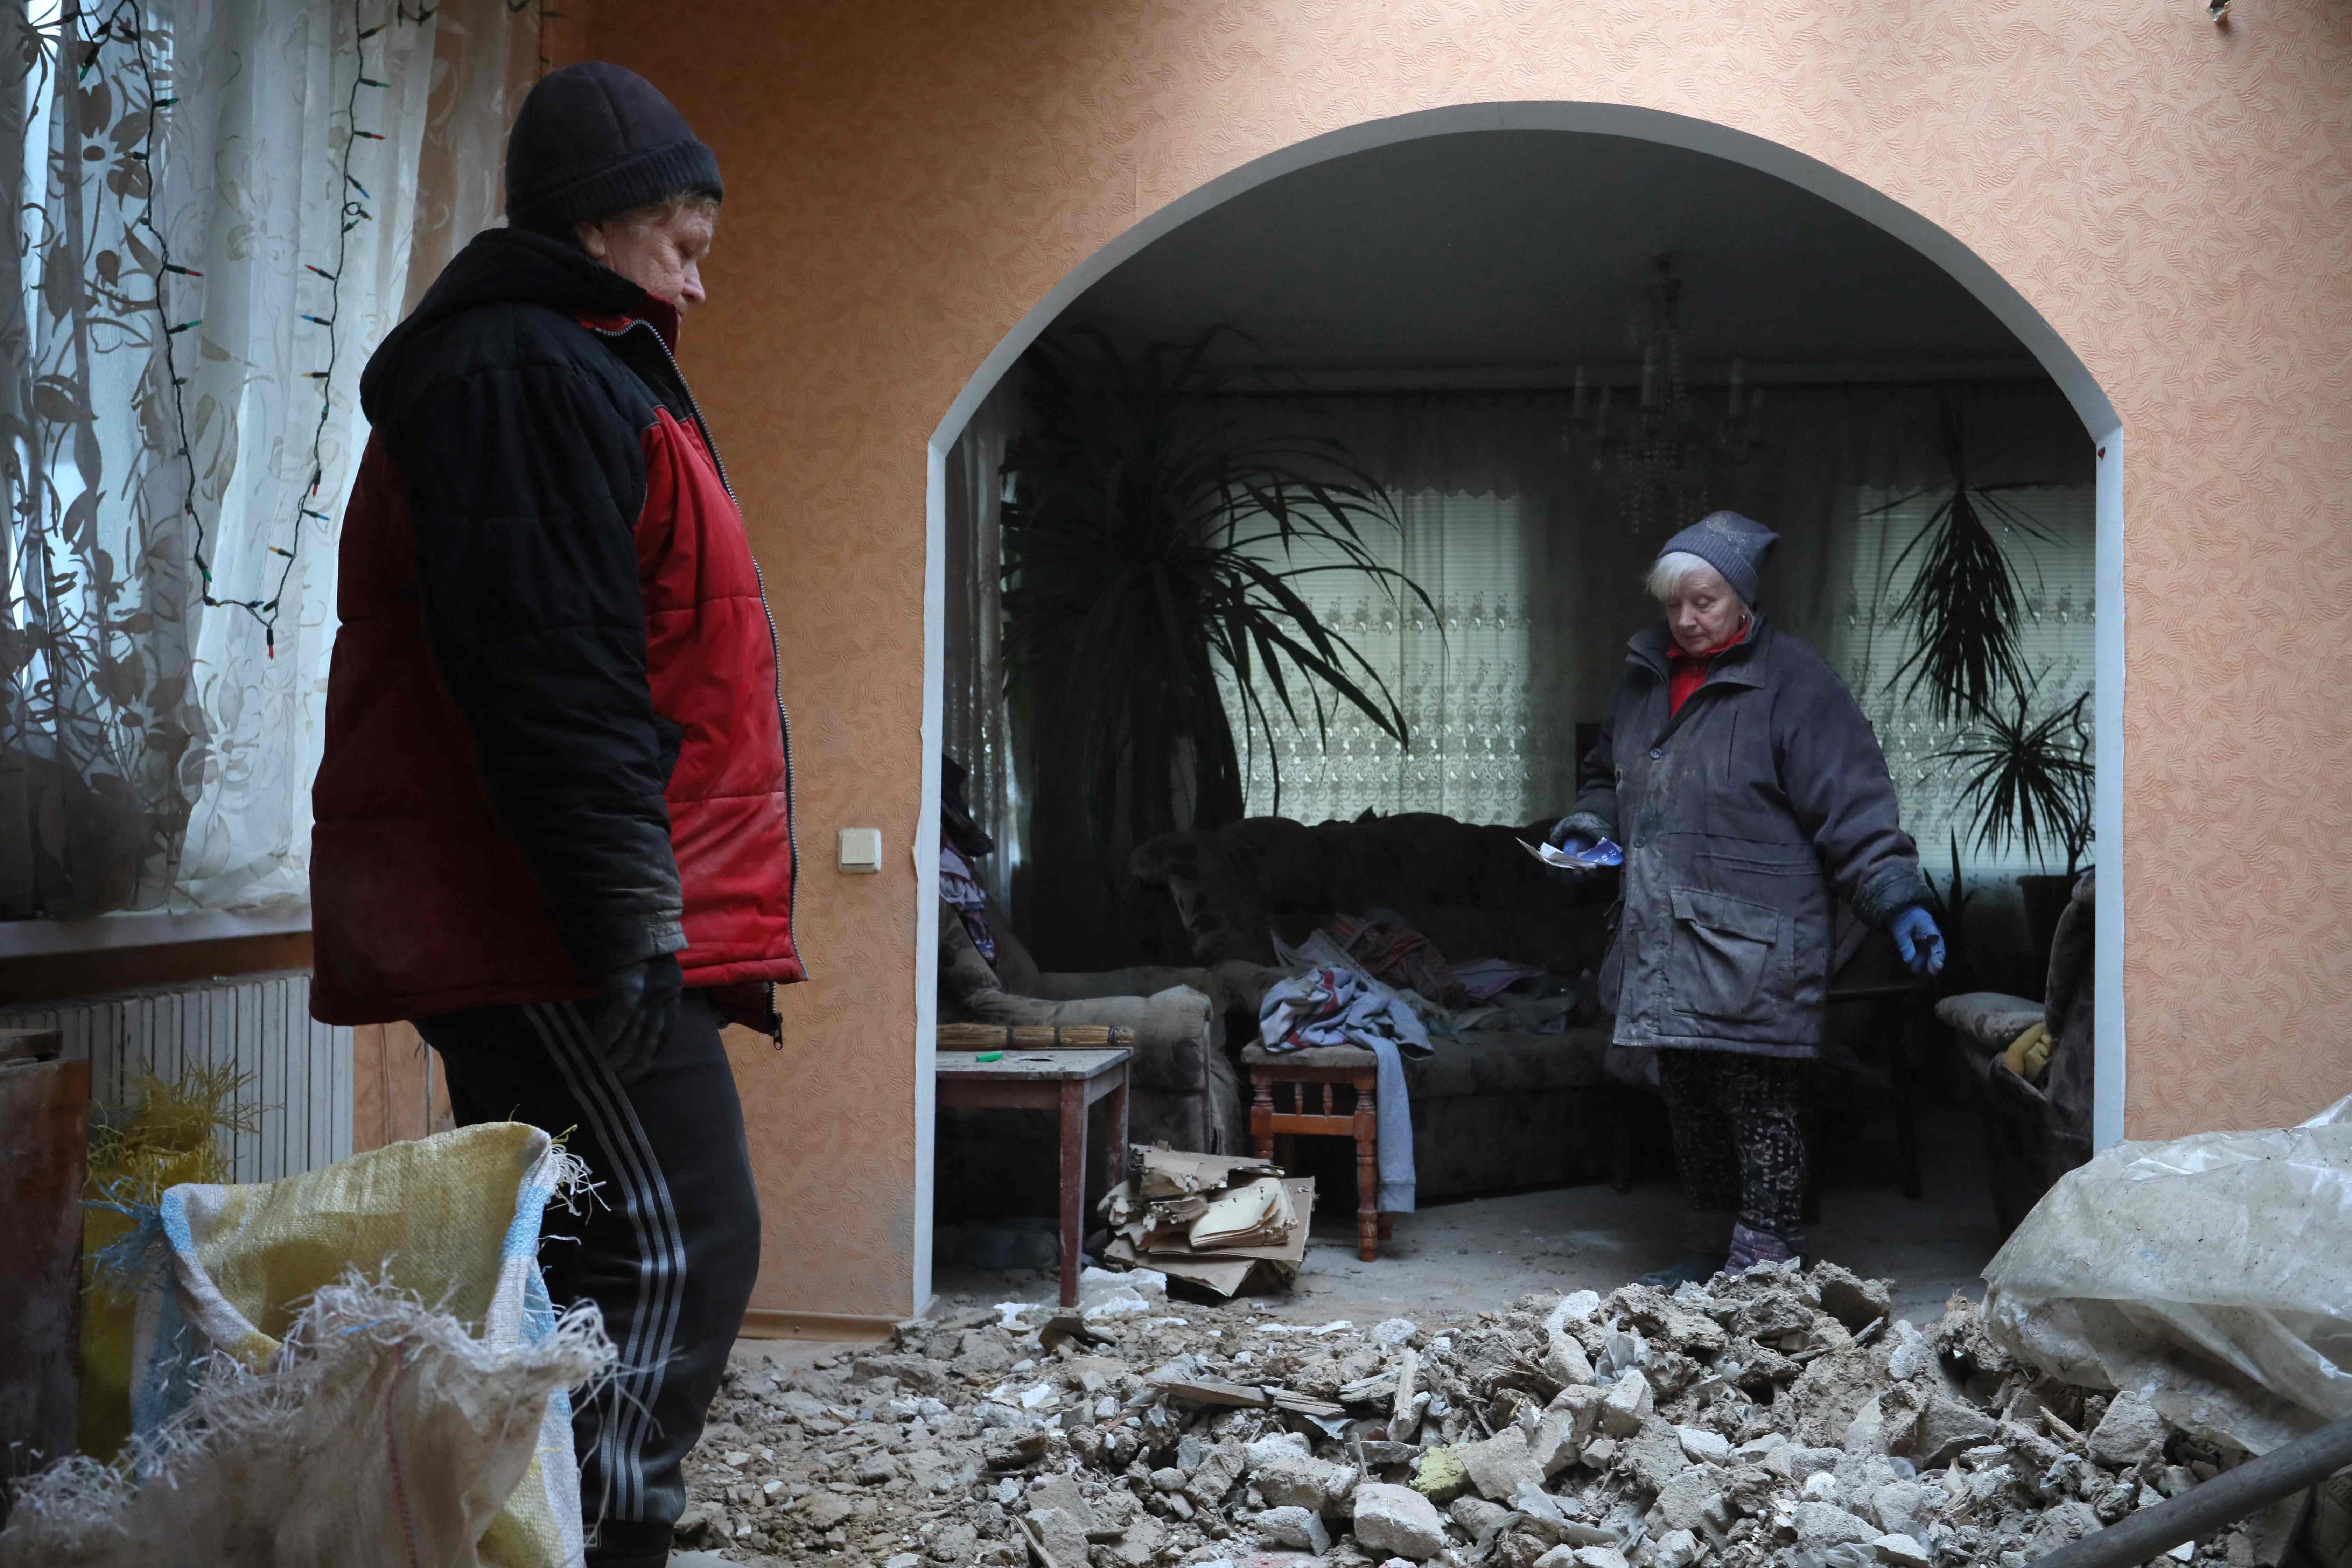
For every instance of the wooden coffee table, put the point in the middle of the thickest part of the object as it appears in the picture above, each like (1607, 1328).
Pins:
(1071, 1083)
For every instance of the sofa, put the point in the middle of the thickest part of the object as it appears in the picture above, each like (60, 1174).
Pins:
(1497, 1109)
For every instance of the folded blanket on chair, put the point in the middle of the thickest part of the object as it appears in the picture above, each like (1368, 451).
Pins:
(1333, 1005)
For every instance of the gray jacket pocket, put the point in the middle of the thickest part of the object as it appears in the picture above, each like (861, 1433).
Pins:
(1727, 958)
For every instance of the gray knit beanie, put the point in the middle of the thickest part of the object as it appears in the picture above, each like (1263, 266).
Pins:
(597, 139)
(1732, 545)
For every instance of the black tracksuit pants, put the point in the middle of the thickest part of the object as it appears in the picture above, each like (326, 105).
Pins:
(667, 1247)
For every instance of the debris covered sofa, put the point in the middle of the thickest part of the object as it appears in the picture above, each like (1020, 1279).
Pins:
(1496, 1109)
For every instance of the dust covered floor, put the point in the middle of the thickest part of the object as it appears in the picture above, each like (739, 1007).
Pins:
(1482, 1252)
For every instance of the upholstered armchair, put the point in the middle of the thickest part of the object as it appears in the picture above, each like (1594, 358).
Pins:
(2038, 1129)
(1182, 1088)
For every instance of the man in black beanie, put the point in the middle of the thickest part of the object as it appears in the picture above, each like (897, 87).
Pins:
(554, 814)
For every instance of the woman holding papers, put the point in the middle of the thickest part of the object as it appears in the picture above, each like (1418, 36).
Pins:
(1748, 795)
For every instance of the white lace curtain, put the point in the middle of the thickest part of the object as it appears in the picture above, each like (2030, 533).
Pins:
(218, 209)
(1535, 579)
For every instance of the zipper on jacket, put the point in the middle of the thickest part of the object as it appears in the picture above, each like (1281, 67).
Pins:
(775, 658)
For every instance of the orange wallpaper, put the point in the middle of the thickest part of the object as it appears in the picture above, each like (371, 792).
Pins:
(906, 179)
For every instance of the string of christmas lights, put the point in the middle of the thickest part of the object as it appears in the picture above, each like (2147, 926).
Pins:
(353, 212)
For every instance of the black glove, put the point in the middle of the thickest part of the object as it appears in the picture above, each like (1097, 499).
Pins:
(638, 1012)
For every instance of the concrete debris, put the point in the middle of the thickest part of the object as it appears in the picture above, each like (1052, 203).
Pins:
(1779, 1419)
(1398, 1520)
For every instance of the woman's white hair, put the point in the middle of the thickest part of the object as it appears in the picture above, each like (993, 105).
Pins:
(1671, 570)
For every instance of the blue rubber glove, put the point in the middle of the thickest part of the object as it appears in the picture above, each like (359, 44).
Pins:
(1578, 843)
(1918, 941)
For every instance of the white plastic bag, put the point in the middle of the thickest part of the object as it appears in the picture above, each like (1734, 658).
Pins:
(2212, 1274)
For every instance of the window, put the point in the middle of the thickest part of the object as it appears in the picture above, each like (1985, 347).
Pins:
(1483, 684)
(2056, 585)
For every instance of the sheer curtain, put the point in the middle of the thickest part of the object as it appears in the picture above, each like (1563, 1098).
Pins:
(1520, 542)
(219, 210)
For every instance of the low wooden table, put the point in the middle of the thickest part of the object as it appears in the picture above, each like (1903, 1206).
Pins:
(1072, 1082)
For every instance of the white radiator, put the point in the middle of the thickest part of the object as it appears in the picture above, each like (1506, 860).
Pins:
(297, 1072)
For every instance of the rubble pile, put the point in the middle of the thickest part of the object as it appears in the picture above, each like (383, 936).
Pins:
(1784, 1416)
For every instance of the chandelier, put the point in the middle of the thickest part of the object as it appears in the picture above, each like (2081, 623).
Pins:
(1660, 456)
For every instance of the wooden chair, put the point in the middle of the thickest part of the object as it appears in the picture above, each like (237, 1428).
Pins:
(1323, 1091)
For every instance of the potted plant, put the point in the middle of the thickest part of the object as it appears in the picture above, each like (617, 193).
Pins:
(1151, 576)
(2028, 783)
(1963, 604)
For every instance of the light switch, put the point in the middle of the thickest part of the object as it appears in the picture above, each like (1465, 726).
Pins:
(861, 849)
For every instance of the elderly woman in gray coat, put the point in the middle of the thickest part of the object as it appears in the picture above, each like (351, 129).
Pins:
(1748, 794)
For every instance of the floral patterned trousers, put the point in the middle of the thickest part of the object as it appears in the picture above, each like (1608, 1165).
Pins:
(1739, 1136)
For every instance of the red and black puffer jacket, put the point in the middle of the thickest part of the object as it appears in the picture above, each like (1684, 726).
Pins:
(556, 743)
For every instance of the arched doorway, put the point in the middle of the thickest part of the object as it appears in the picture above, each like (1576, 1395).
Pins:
(2062, 366)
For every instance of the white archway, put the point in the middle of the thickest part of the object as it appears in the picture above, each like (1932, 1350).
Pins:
(2065, 367)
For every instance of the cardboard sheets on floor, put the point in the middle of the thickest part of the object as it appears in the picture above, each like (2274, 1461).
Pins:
(1223, 1223)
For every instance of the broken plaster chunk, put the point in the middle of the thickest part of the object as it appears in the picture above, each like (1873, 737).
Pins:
(1653, 1458)
(1275, 1446)
(1902, 1508)
(1395, 1331)
(1219, 1469)
(1479, 1520)
(2129, 1432)
(1851, 1300)
(1675, 1548)
(1398, 1520)
(1946, 1428)
(1704, 1447)
(1903, 1552)
(1691, 1495)
(1627, 1402)
(1559, 1435)
(1501, 1465)
(1295, 1482)
(1565, 1359)
(1062, 1533)
(1289, 1526)
(1582, 1557)
(1139, 1548)
(1821, 1524)
(1912, 1356)
(2069, 1522)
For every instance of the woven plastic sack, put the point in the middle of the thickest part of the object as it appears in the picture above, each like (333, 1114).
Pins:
(355, 1367)
(2212, 1274)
